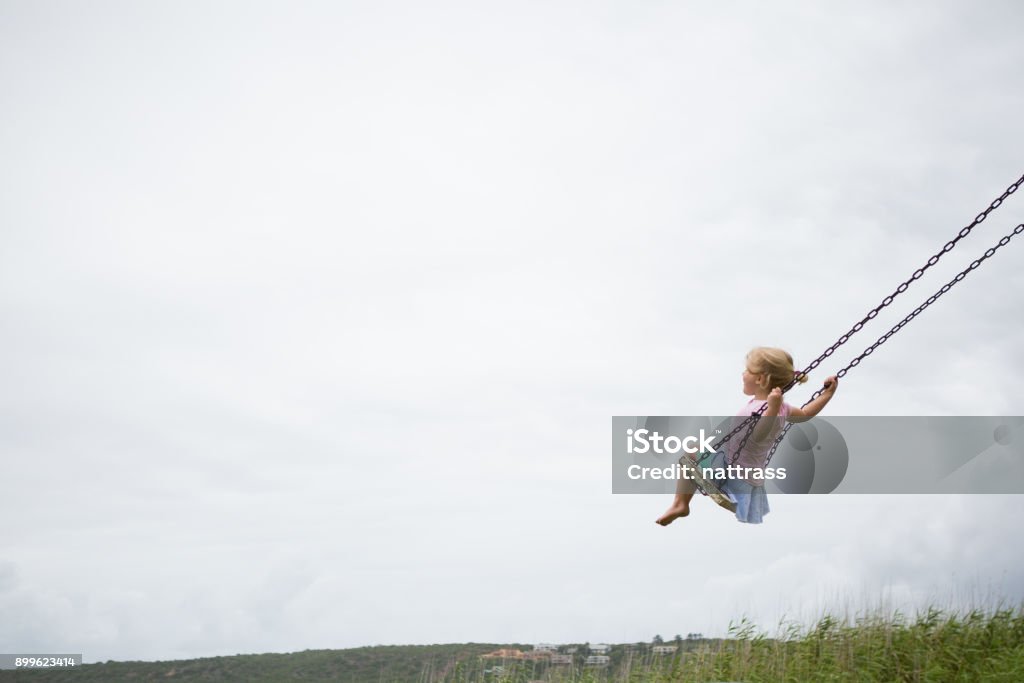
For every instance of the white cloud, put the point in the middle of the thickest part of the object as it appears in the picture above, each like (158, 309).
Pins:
(315, 317)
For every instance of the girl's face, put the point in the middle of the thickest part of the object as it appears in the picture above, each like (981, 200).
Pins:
(751, 381)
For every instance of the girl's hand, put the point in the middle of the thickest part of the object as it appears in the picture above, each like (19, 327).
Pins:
(831, 384)
(775, 400)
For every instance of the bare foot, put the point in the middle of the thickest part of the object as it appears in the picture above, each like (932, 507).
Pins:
(673, 513)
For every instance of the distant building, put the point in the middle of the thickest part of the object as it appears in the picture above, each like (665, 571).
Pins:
(663, 649)
(504, 654)
(597, 660)
(572, 650)
(545, 647)
(561, 659)
(601, 649)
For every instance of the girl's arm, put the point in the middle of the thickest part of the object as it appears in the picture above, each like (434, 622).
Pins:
(815, 406)
(765, 426)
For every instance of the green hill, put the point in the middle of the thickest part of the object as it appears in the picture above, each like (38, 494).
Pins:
(933, 647)
(380, 664)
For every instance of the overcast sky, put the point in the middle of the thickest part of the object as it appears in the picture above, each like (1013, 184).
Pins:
(315, 314)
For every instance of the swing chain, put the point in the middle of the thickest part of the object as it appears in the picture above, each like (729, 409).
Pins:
(1003, 241)
(964, 232)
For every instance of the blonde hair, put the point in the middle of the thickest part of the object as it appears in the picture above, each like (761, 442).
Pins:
(775, 364)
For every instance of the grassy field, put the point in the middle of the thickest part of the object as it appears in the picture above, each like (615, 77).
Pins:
(932, 646)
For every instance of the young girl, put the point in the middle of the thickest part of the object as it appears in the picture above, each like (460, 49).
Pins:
(766, 372)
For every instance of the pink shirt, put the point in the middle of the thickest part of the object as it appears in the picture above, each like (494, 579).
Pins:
(755, 453)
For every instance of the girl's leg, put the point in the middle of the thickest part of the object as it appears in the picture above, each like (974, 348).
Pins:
(680, 507)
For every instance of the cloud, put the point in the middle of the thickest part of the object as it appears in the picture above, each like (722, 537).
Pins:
(315, 317)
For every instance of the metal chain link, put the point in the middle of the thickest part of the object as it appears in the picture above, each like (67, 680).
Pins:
(901, 324)
(964, 232)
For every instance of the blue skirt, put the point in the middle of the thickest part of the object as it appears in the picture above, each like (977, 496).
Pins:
(751, 501)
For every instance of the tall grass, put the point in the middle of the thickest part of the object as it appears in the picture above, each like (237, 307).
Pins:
(932, 646)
